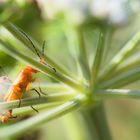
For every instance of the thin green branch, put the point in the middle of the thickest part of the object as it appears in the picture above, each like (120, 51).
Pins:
(43, 117)
(98, 58)
(117, 94)
(82, 53)
(43, 68)
(26, 110)
(121, 56)
(72, 46)
(122, 80)
(107, 43)
(51, 87)
(20, 36)
(125, 68)
(35, 101)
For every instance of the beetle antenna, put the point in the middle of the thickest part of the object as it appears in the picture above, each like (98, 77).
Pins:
(31, 43)
(43, 48)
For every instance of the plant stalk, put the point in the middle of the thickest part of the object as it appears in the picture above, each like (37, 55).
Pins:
(43, 117)
(122, 80)
(98, 115)
(82, 53)
(53, 98)
(121, 56)
(20, 36)
(98, 58)
(43, 68)
(117, 94)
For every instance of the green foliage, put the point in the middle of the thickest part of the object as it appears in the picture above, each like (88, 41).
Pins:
(78, 75)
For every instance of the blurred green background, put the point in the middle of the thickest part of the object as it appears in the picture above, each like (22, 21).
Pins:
(123, 115)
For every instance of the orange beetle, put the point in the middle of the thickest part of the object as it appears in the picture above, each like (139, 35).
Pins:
(15, 92)
(5, 83)
(21, 84)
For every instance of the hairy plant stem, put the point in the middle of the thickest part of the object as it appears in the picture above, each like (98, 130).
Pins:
(35, 121)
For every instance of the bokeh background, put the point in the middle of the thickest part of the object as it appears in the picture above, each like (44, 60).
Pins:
(35, 18)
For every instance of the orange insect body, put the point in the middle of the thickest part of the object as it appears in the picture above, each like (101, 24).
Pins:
(4, 84)
(20, 85)
(6, 116)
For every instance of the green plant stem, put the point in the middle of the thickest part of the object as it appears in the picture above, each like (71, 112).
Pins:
(122, 80)
(98, 58)
(51, 87)
(121, 56)
(20, 36)
(89, 125)
(79, 127)
(124, 69)
(34, 101)
(82, 53)
(117, 94)
(107, 43)
(72, 46)
(43, 68)
(97, 113)
(28, 110)
(35, 121)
